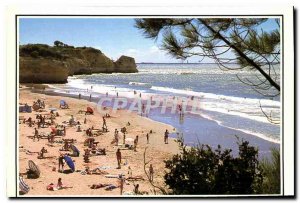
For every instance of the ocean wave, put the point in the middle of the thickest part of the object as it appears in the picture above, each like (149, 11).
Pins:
(189, 92)
(236, 106)
(140, 84)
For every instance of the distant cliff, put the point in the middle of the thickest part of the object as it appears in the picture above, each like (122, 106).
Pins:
(40, 63)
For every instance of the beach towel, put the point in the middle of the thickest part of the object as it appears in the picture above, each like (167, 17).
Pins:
(23, 187)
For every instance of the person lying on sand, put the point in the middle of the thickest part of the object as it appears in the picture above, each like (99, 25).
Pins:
(135, 178)
(95, 171)
(99, 185)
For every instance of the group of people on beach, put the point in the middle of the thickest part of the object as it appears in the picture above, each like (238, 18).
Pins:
(41, 122)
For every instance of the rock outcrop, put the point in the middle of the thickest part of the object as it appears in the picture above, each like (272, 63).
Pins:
(33, 70)
(46, 64)
(125, 64)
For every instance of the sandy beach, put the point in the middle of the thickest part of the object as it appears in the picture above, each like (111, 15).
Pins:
(80, 184)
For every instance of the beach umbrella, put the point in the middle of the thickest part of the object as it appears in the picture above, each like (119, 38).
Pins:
(24, 188)
(34, 168)
(74, 149)
(70, 162)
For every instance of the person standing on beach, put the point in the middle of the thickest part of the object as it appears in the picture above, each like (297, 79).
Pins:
(166, 136)
(151, 172)
(147, 136)
(119, 158)
(135, 142)
(36, 134)
(90, 97)
(60, 163)
(104, 126)
(121, 184)
(124, 137)
(79, 96)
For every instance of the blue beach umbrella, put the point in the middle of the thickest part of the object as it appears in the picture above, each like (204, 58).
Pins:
(70, 162)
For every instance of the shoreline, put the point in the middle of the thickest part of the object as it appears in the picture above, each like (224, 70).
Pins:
(225, 136)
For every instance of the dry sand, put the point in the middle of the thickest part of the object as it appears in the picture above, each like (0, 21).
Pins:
(156, 149)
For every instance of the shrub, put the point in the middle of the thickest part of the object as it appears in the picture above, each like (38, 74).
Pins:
(202, 170)
(271, 173)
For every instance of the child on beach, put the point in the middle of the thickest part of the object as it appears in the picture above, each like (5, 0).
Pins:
(59, 184)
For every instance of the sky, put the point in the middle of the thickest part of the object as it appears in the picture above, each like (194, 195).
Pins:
(113, 36)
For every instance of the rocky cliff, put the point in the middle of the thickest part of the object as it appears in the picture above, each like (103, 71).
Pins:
(41, 63)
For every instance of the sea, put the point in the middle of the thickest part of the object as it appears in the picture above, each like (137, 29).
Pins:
(228, 107)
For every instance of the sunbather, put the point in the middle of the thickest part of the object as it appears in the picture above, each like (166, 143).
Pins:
(134, 178)
(95, 171)
(97, 186)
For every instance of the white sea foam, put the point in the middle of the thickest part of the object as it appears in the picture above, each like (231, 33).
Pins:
(238, 106)
(230, 105)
